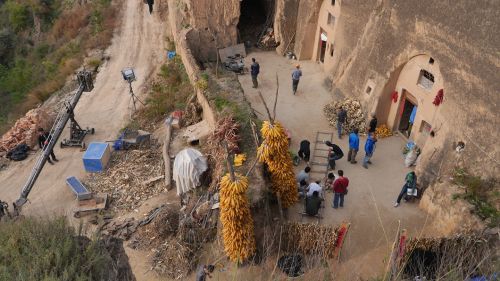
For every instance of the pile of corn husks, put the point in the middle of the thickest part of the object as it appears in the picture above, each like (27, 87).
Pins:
(132, 177)
(355, 116)
(383, 132)
(310, 239)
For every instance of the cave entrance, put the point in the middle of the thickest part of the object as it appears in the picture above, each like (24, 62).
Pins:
(256, 16)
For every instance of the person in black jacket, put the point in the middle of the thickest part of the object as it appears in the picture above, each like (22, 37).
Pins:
(335, 153)
(43, 140)
(304, 150)
(373, 124)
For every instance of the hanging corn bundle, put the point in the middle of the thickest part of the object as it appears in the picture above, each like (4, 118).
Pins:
(237, 222)
(274, 152)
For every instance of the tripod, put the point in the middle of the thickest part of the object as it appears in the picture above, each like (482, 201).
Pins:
(133, 97)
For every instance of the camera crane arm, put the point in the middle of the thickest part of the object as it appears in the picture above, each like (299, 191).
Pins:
(85, 85)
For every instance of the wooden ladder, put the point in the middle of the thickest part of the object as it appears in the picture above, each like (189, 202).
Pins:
(319, 160)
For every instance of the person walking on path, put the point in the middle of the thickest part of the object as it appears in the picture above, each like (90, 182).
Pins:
(296, 74)
(334, 154)
(353, 146)
(369, 149)
(305, 150)
(373, 124)
(150, 5)
(43, 140)
(254, 72)
(341, 120)
(340, 190)
(204, 271)
(410, 183)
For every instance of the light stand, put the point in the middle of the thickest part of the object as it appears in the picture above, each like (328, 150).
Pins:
(129, 76)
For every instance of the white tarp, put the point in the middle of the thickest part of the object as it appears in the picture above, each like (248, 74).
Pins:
(189, 164)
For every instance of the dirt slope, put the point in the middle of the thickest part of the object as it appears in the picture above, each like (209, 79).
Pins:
(139, 43)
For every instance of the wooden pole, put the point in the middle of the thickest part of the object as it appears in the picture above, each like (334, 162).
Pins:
(166, 157)
(276, 96)
(267, 108)
(229, 161)
(280, 205)
(254, 132)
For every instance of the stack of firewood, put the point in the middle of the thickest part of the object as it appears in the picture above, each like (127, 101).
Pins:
(25, 130)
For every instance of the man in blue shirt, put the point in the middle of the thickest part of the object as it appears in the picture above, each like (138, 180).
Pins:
(412, 119)
(369, 149)
(296, 74)
(254, 71)
(353, 146)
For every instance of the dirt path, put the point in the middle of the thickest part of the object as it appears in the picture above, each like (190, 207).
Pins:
(369, 204)
(138, 43)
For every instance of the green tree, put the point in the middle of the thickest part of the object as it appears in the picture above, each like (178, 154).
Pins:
(19, 15)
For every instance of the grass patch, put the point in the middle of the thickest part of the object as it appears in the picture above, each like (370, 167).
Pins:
(93, 64)
(170, 91)
(481, 193)
(50, 250)
(226, 96)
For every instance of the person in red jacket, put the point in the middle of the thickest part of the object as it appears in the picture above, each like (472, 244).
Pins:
(340, 190)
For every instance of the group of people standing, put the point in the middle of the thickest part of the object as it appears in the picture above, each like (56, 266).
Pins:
(313, 192)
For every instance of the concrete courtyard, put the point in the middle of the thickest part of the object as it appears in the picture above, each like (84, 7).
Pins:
(372, 192)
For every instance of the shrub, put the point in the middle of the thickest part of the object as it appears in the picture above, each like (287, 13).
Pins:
(19, 15)
(49, 250)
(480, 193)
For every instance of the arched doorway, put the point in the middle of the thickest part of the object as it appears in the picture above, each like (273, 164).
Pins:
(406, 105)
(255, 17)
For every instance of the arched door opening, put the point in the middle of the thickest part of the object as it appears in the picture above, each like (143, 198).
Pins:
(256, 16)
(322, 45)
(408, 112)
(406, 104)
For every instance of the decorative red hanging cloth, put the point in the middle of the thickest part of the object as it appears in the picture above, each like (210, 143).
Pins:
(439, 98)
(394, 96)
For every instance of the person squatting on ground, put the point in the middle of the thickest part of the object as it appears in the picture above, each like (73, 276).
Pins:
(305, 150)
(340, 190)
(330, 179)
(369, 149)
(353, 146)
(314, 186)
(302, 188)
(341, 120)
(334, 154)
(254, 72)
(304, 175)
(313, 204)
(43, 140)
(410, 183)
(296, 74)
(204, 271)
